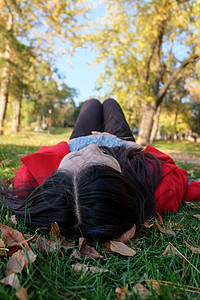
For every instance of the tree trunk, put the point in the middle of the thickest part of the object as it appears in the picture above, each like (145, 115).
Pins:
(155, 125)
(5, 79)
(148, 110)
(16, 104)
(174, 126)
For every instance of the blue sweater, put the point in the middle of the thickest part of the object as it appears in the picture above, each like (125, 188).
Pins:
(100, 140)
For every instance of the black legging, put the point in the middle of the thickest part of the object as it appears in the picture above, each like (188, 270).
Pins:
(107, 117)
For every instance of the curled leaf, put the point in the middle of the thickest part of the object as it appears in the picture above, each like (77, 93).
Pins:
(122, 292)
(88, 251)
(119, 247)
(193, 249)
(162, 229)
(11, 280)
(19, 260)
(196, 216)
(128, 235)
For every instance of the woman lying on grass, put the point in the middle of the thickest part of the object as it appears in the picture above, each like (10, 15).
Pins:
(101, 183)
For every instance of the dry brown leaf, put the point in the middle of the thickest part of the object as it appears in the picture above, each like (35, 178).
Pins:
(162, 229)
(2, 244)
(83, 268)
(76, 254)
(170, 251)
(193, 249)
(196, 216)
(128, 235)
(56, 236)
(55, 243)
(12, 218)
(160, 218)
(118, 247)
(147, 225)
(88, 251)
(46, 245)
(13, 239)
(11, 280)
(21, 293)
(122, 293)
(156, 285)
(19, 260)
(80, 268)
(173, 224)
(138, 288)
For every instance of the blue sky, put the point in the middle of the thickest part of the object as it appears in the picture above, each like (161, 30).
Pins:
(80, 75)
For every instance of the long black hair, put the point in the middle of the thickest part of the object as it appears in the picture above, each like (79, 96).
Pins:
(99, 202)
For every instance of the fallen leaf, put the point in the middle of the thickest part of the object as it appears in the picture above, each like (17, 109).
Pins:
(140, 289)
(2, 244)
(147, 225)
(13, 239)
(56, 235)
(46, 245)
(162, 229)
(196, 216)
(21, 293)
(170, 251)
(128, 235)
(173, 224)
(160, 218)
(156, 286)
(88, 251)
(76, 254)
(122, 293)
(80, 268)
(119, 247)
(12, 218)
(193, 249)
(19, 260)
(11, 280)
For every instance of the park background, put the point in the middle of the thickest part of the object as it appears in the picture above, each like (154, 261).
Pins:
(56, 54)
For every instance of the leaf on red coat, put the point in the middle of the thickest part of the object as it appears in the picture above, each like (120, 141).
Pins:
(128, 235)
(88, 251)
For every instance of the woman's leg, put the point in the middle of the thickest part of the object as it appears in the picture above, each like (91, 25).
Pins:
(114, 120)
(90, 119)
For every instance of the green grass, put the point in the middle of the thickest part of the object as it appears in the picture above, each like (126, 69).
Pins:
(51, 276)
(179, 147)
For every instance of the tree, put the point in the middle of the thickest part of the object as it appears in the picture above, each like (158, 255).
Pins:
(139, 40)
(39, 25)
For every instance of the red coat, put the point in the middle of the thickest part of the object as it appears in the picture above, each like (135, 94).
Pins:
(172, 189)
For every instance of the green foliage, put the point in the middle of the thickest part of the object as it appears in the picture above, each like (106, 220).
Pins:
(29, 32)
(138, 42)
